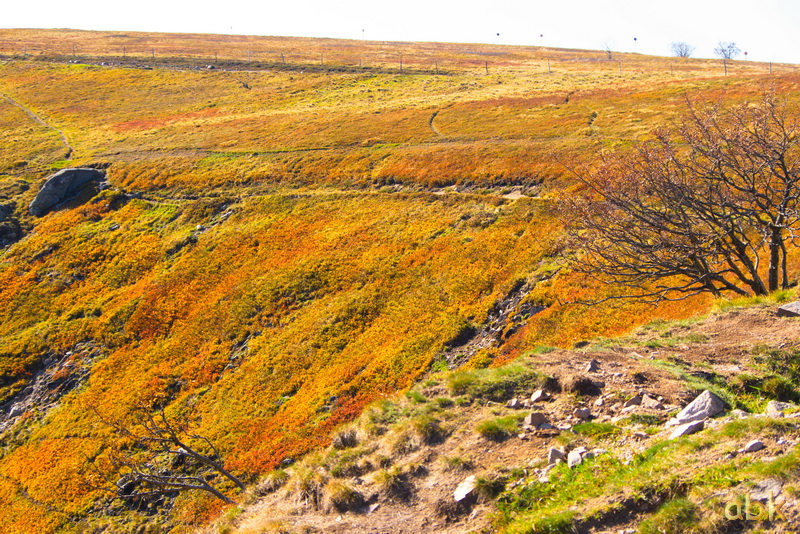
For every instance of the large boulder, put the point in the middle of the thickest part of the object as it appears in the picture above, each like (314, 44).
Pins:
(704, 406)
(62, 186)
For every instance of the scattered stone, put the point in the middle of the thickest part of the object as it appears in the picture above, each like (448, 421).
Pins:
(753, 446)
(465, 489)
(582, 413)
(535, 419)
(575, 457)
(738, 414)
(540, 395)
(547, 426)
(62, 186)
(762, 490)
(523, 436)
(687, 428)
(639, 436)
(544, 474)
(600, 401)
(636, 400)
(629, 409)
(593, 366)
(555, 455)
(790, 310)
(702, 407)
(651, 403)
(514, 403)
(777, 409)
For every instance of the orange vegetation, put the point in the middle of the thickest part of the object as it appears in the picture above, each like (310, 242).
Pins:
(286, 253)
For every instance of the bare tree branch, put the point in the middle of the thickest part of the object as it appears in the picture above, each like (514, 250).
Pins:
(698, 214)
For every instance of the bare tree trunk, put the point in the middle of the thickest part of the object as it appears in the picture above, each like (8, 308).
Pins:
(774, 257)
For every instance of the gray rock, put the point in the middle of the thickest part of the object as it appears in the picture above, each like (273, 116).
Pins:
(465, 490)
(651, 403)
(554, 455)
(575, 458)
(762, 490)
(702, 407)
(514, 403)
(593, 366)
(62, 186)
(540, 395)
(535, 419)
(636, 400)
(790, 310)
(753, 446)
(776, 408)
(582, 413)
(687, 428)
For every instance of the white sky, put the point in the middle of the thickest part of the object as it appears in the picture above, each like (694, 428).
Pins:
(769, 30)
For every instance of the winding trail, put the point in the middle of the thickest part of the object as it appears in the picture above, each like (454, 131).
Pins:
(36, 118)
(433, 128)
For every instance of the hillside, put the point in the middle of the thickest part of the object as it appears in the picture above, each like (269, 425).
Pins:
(289, 230)
(409, 454)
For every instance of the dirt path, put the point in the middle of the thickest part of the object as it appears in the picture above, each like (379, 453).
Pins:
(36, 118)
(433, 128)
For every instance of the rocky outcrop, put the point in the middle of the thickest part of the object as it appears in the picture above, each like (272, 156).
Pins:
(63, 186)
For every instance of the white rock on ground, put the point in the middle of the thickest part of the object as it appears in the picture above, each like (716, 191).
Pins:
(702, 407)
(554, 455)
(535, 419)
(762, 490)
(465, 489)
(636, 400)
(776, 408)
(582, 413)
(753, 446)
(540, 395)
(687, 428)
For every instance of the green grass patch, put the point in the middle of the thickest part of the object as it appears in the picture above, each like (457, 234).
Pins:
(500, 428)
(595, 430)
(496, 384)
(674, 517)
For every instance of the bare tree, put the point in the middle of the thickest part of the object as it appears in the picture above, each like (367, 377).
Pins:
(703, 214)
(609, 52)
(161, 458)
(682, 49)
(726, 50)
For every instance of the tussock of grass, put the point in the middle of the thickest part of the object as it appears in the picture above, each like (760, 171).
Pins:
(495, 384)
(500, 428)
(272, 482)
(342, 496)
(457, 463)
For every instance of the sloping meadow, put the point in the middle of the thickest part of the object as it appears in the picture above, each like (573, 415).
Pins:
(279, 249)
